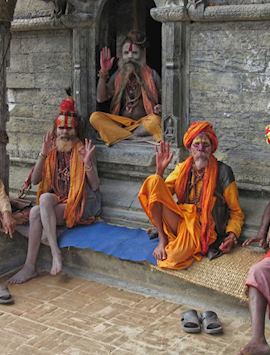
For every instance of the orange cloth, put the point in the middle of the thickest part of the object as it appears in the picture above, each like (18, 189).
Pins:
(206, 199)
(199, 127)
(185, 247)
(113, 128)
(149, 91)
(73, 210)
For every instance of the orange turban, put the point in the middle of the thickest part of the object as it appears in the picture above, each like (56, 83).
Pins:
(200, 127)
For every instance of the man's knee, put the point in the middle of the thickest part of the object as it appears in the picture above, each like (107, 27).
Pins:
(47, 200)
(94, 118)
(259, 269)
(34, 214)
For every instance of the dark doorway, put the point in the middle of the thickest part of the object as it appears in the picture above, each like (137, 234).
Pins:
(116, 20)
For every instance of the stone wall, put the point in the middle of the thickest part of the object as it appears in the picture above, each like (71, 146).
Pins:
(230, 86)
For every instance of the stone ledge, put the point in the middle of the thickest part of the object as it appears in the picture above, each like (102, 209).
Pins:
(47, 23)
(250, 12)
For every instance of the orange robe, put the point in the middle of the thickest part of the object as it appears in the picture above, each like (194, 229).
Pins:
(185, 247)
(76, 195)
(114, 128)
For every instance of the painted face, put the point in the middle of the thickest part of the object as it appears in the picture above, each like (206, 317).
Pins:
(131, 51)
(66, 133)
(201, 149)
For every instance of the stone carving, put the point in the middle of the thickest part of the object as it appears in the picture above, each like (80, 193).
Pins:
(170, 129)
(175, 3)
(67, 7)
(197, 4)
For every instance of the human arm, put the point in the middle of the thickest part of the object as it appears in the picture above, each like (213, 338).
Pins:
(163, 157)
(105, 89)
(8, 221)
(263, 236)
(87, 154)
(236, 217)
(45, 150)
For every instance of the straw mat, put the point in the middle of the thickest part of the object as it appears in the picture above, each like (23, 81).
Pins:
(226, 274)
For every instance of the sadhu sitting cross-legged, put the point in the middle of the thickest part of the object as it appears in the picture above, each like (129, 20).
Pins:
(206, 214)
(68, 191)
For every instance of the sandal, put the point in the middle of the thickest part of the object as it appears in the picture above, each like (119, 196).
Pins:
(190, 321)
(5, 296)
(210, 323)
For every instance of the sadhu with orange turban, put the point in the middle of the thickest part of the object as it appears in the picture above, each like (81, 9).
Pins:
(206, 216)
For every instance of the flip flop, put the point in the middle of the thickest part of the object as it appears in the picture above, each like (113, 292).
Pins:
(190, 321)
(5, 296)
(210, 323)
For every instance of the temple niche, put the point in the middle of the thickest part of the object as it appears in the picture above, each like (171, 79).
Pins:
(130, 15)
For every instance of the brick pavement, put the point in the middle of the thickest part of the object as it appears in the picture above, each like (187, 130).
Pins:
(67, 315)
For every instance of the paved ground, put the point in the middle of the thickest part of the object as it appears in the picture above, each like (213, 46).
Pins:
(67, 315)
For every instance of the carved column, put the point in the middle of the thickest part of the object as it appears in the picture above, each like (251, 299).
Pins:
(84, 75)
(174, 73)
(6, 14)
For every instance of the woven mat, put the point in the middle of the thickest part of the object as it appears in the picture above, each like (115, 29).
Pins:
(226, 274)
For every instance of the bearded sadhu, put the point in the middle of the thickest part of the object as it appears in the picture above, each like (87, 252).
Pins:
(134, 91)
(68, 192)
(206, 216)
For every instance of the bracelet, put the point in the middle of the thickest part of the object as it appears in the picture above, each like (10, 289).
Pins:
(103, 74)
(41, 155)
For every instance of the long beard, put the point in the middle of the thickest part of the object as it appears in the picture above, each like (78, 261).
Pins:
(65, 145)
(127, 69)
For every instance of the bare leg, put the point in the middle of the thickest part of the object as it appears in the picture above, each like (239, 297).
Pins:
(160, 212)
(29, 269)
(52, 214)
(257, 307)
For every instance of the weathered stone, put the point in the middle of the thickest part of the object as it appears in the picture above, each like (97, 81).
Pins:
(20, 80)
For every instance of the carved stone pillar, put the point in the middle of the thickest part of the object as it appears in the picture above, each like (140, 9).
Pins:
(174, 73)
(4, 159)
(84, 75)
(6, 14)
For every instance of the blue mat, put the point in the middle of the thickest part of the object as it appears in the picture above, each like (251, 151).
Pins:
(121, 242)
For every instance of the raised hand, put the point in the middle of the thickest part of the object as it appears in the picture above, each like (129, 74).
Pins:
(47, 144)
(87, 153)
(163, 157)
(106, 60)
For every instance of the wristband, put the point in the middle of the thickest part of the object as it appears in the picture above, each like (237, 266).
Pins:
(41, 155)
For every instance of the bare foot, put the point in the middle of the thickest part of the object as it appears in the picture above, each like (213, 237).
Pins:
(255, 348)
(25, 274)
(56, 264)
(159, 252)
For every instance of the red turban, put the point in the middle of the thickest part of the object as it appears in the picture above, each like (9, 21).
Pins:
(67, 117)
(200, 127)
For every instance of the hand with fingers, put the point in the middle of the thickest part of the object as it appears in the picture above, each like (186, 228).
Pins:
(106, 60)
(163, 157)
(261, 238)
(47, 144)
(228, 243)
(9, 223)
(87, 153)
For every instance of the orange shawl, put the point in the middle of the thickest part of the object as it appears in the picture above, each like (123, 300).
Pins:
(207, 194)
(73, 211)
(149, 90)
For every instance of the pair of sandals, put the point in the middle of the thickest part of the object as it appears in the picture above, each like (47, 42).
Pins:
(194, 322)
